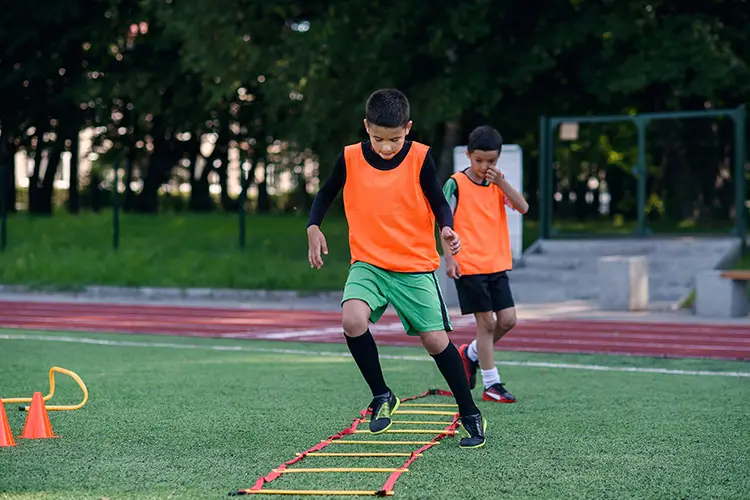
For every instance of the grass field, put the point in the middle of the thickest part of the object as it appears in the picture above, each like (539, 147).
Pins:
(170, 251)
(185, 420)
(193, 250)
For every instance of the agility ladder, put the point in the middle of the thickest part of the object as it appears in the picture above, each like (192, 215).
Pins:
(395, 473)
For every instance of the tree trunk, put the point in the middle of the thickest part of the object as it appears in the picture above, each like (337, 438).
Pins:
(96, 192)
(451, 139)
(129, 200)
(200, 196)
(303, 200)
(678, 175)
(46, 190)
(8, 173)
(618, 184)
(159, 166)
(222, 153)
(264, 202)
(33, 193)
(73, 190)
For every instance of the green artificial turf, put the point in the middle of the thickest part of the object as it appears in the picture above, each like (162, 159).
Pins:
(196, 423)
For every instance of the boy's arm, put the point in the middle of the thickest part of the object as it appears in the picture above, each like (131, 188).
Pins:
(328, 193)
(434, 194)
(431, 189)
(516, 199)
(450, 192)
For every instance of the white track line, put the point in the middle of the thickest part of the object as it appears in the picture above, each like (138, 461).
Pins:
(234, 348)
(395, 327)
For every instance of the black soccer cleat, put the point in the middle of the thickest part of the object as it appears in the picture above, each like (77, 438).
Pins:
(382, 408)
(470, 367)
(474, 427)
(498, 393)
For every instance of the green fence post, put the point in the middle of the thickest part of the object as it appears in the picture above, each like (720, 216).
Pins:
(3, 208)
(544, 201)
(641, 172)
(241, 205)
(740, 117)
(116, 206)
(549, 140)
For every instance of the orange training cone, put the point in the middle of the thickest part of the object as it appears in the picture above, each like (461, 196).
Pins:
(37, 424)
(6, 436)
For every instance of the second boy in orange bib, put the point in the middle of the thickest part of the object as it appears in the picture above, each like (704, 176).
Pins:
(478, 197)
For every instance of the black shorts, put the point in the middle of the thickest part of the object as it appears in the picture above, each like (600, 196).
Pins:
(484, 293)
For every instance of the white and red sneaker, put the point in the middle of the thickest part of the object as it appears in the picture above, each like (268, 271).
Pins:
(498, 393)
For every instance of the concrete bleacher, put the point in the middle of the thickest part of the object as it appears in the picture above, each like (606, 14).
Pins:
(567, 270)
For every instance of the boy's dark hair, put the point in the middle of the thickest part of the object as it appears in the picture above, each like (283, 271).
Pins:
(387, 108)
(485, 138)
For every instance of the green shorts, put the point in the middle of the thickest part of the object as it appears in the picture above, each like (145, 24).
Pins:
(416, 297)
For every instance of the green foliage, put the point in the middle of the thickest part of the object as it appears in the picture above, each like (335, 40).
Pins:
(298, 73)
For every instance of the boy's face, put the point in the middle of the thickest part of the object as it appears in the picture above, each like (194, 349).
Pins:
(481, 161)
(387, 142)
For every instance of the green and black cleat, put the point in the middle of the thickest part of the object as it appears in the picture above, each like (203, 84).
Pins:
(474, 427)
(382, 408)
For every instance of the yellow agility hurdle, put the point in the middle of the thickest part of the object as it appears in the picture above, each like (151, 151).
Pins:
(52, 371)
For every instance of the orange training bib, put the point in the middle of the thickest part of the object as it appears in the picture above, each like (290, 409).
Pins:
(481, 223)
(391, 224)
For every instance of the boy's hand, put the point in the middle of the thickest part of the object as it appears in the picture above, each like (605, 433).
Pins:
(451, 268)
(494, 176)
(316, 243)
(451, 238)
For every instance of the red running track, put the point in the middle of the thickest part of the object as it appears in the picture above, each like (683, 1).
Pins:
(554, 336)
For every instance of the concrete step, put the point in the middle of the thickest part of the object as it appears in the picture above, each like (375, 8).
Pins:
(659, 264)
(639, 246)
(567, 270)
(554, 261)
(547, 276)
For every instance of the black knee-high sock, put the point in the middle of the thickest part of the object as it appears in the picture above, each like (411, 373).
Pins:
(365, 354)
(449, 364)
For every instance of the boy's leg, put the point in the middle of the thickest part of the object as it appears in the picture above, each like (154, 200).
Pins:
(502, 303)
(506, 321)
(482, 349)
(419, 302)
(474, 298)
(505, 311)
(355, 317)
(448, 361)
(365, 301)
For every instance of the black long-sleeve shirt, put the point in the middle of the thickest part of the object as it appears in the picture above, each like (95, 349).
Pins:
(427, 179)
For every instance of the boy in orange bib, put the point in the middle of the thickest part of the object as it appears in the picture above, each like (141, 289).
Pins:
(391, 200)
(478, 196)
